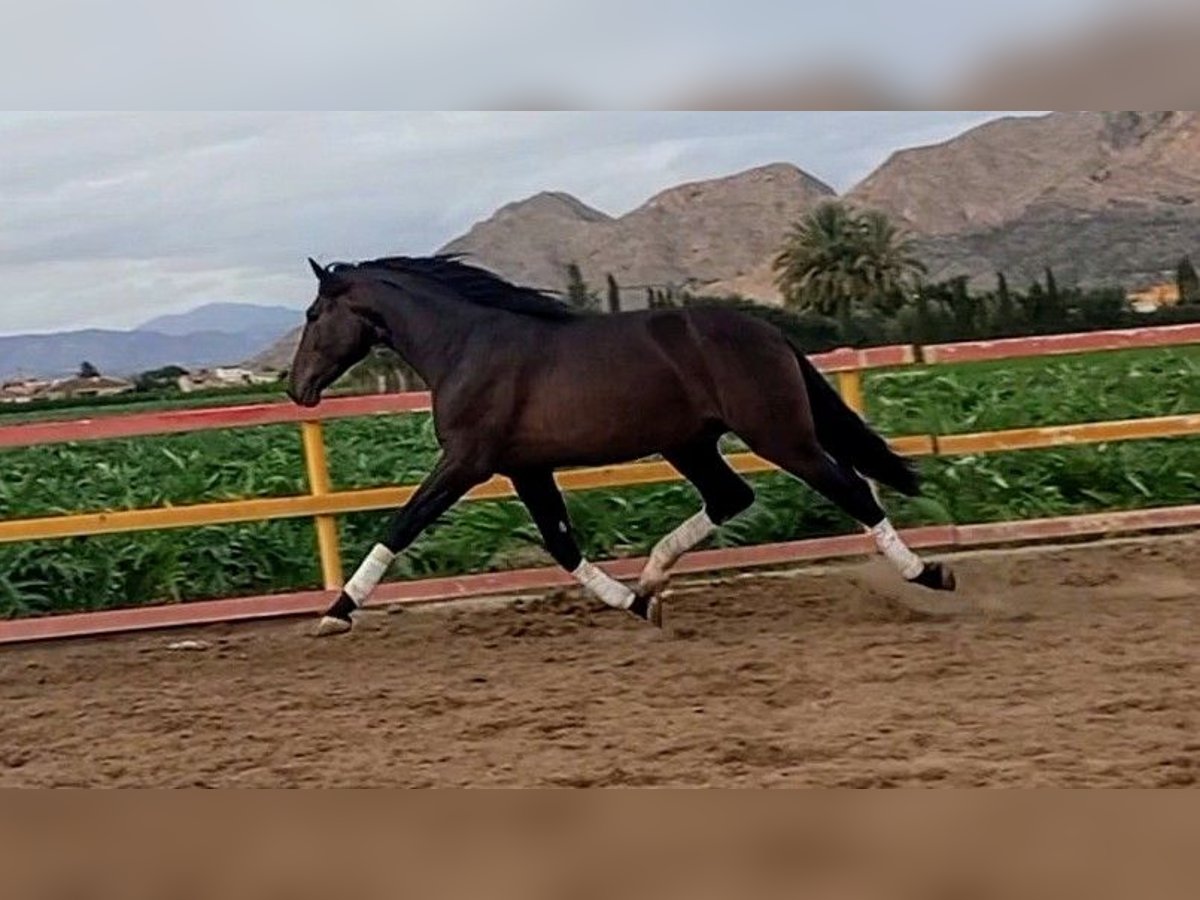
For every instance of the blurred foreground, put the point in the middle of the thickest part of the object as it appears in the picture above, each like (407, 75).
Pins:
(534, 54)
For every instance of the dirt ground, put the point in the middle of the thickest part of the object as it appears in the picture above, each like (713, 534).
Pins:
(1050, 667)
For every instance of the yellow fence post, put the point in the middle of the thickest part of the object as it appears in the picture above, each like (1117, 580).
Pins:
(851, 388)
(318, 485)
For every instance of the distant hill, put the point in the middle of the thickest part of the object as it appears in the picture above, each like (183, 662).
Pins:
(532, 241)
(120, 352)
(695, 233)
(215, 334)
(1100, 197)
(279, 353)
(232, 318)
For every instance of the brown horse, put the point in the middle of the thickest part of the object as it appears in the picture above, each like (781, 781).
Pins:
(523, 384)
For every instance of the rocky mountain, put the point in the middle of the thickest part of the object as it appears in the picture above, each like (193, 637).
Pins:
(231, 318)
(696, 233)
(531, 241)
(1100, 197)
(215, 334)
(119, 352)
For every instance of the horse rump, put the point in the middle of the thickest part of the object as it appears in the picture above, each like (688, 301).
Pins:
(849, 440)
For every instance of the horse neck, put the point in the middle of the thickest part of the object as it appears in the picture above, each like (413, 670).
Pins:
(429, 331)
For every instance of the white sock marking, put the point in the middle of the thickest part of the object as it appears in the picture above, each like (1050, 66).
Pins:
(369, 574)
(603, 586)
(892, 546)
(668, 550)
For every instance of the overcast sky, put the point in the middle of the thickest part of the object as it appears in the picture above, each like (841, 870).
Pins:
(456, 54)
(110, 219)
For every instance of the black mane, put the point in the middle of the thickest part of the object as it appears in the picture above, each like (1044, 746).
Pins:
(472, 283)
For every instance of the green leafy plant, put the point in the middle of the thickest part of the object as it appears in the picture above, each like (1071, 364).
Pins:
(217, 561)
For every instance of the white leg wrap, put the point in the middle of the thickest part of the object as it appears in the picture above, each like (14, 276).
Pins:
(603, 586)
(369, 574)
(892, 546)
(668, 550)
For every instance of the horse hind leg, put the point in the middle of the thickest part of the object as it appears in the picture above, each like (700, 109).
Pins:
(843, 486)
(725, 494)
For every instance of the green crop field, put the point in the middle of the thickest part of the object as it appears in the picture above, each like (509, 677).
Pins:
(120, 570)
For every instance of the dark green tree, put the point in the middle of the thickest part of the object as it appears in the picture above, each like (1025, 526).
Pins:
(1006, 309)
(810, 332)
(835, 261)
(661, 298)
(888, 261)
(87, 370)
(1033, 303)
(1055, 308)
(963, 308)
(923, 324)
(163, 378)
(614, 294)
(1188, 281)
(578, 293)
(1102, 308)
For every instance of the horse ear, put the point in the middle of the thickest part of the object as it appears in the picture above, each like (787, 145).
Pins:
(331, 283)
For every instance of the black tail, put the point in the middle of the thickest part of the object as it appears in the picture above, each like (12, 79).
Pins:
(849, 440)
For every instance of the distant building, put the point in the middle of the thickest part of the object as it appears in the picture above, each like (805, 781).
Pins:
(76, 388)
(224, 377)
(1155, 296)
(22, 390)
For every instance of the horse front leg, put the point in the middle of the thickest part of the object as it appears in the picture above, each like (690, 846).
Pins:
(450, 479)
(544, 501)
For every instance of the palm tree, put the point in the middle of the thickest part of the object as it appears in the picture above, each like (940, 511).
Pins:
(888, 260)
(815, 268)
(835, 259)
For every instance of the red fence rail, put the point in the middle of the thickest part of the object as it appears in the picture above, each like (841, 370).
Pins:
(847, 363)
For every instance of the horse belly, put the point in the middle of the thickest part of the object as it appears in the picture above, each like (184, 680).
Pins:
(608, 416)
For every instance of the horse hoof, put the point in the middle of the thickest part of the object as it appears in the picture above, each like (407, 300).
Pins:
(937, 577)
(648, 607)
(331, 625)
(949, 582)
(648, 587)
(654, 614)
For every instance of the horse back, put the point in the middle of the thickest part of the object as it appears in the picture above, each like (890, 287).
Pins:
(619, 387)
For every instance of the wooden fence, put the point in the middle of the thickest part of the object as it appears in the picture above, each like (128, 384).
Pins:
(324, 503)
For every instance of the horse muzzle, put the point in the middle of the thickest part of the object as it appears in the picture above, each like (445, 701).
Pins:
(307, 398)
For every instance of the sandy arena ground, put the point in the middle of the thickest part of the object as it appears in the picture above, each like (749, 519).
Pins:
(1050, 667)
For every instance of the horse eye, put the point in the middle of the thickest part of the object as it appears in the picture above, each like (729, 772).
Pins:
(311, 314)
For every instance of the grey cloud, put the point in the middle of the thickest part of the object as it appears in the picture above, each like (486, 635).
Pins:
(112, 218)
(454, 53)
